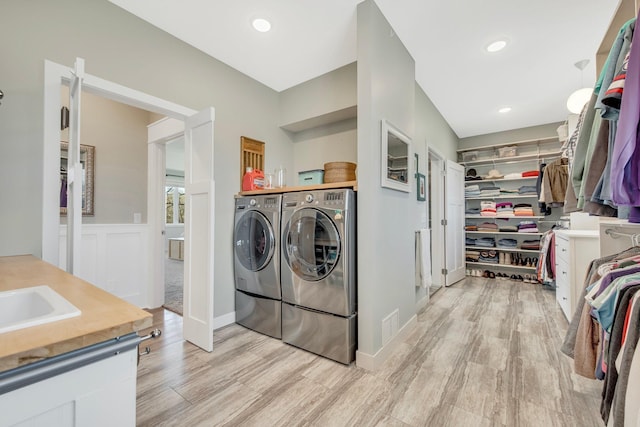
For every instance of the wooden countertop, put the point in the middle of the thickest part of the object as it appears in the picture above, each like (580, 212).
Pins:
(104, 316)
(347, 184)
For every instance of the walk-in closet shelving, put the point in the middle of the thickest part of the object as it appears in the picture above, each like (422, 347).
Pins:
(499, 166)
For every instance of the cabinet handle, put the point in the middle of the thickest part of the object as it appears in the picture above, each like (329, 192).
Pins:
(564, 250)
(564, 272)
(564, 298)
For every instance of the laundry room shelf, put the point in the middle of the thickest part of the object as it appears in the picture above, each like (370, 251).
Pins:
(479, 181)
(490, 264)
(528, 196)
(484, 248)
(503, 217)
(515, 159)
(347, 184)
(504, 233)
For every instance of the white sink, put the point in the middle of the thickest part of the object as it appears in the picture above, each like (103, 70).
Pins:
(23, 308)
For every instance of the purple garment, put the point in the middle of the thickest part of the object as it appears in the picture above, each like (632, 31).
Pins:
(626, 151)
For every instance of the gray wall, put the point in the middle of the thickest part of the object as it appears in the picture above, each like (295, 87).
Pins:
(126, 50)
(328, 93)
(386, 218)
(433, 129)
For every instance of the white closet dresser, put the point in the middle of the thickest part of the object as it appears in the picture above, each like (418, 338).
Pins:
(575, 249)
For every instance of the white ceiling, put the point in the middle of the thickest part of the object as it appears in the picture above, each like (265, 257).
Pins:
(534, 74)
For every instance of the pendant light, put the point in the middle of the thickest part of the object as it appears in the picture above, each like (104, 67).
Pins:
(580, 97)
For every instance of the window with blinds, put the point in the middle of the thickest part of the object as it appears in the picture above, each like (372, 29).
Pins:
(251, 155)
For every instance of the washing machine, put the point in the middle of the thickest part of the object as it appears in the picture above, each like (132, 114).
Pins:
(318, 273)
(257, 263)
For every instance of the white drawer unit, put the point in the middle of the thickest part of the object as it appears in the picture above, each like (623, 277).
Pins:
(575, 249)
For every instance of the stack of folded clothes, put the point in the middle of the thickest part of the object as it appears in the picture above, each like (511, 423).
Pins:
(523, 209)
(490, 191)
(527, 227)
(472, 211)
(508, 191)
(513, 175)
(489, 256)
(488, 226)
(529, 174)
(486, 242)
(531, 244)
(472, 256)
(470, 241)
(508, 243)
(527, 190)
(472, 191)
(504, 209)
(487, 208)
(470, 227)
(508, 229)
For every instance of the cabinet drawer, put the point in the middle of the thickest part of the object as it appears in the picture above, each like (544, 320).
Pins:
(562, 249)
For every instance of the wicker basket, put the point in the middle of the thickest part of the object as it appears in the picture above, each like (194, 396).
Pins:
(339, 172)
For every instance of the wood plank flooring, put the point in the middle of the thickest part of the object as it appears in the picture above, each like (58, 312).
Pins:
(485, 352)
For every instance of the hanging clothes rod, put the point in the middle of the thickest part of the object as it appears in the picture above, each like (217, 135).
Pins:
(635, 237)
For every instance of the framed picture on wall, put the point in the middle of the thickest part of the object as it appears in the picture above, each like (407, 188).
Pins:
(421, 187)
(87, 158)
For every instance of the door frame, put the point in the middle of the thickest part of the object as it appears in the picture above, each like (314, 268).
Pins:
(56, 75)
(438, 262)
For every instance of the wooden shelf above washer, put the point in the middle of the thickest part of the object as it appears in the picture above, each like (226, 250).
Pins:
(347, 184)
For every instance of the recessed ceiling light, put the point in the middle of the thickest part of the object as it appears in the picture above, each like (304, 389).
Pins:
(496, 46)
(261, 24)
(504, 110)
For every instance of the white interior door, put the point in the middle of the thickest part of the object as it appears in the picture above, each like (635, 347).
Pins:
(454, 230)
(436, 207)
(199, 230)
(75, 173)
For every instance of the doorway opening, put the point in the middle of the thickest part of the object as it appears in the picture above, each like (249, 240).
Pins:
(174, 211)
(197, 128)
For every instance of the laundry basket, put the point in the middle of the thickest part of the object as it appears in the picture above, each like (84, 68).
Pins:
(339, 172)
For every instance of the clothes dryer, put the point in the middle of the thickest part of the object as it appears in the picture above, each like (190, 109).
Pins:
(257, 263)
(319, 272)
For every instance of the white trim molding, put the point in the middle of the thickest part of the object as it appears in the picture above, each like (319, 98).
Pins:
(375, 361)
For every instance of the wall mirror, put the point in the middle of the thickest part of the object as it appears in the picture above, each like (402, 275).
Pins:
(396, 152)
(87, 158)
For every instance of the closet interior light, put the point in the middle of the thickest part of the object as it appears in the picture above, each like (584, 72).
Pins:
(261, 24)
(504, 110)
(496, 46)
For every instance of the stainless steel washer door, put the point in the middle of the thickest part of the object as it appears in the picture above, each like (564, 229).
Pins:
(254, 241)
(313, 250)
(312, 244)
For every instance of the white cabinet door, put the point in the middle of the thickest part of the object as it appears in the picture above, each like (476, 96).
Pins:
(454, 230)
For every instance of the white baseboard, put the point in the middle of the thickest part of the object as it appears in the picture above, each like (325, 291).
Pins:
(373, 362)
(224, 320)
(423, 302)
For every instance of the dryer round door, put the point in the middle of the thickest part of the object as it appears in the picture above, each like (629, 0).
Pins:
(312, 244)
(254, 241)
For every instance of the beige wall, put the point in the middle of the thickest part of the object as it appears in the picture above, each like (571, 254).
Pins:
(119, 134)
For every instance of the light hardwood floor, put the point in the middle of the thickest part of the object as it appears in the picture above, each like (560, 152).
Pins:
(485, 352)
